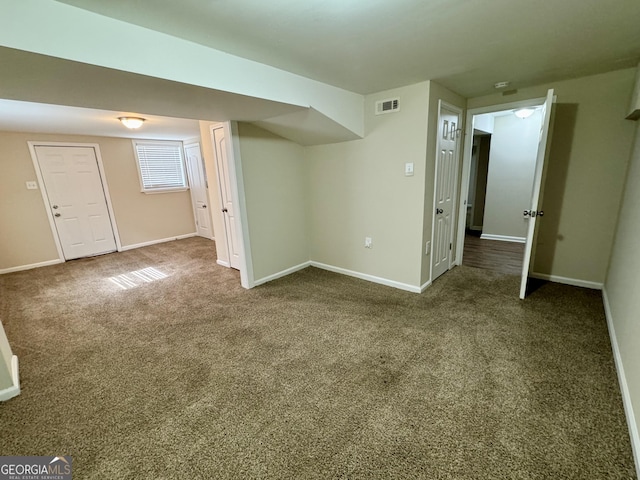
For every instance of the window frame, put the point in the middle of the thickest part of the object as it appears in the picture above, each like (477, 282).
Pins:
(164, 189)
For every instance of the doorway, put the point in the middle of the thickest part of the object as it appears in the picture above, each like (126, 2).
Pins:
(503, 159)
(76, 198)
(497, 217)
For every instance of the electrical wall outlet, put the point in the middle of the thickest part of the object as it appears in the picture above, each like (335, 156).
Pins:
(368, 242)
(427, 248)
(32, 185)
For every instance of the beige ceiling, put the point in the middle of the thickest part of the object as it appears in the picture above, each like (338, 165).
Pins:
(372, 45)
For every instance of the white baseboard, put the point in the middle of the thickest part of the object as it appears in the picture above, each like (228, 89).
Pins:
(624, 387)
(567, 281)
(14, 390)
(370, 278)
(123, 249)
(30, 266)
(343, 271)
(502, 238)
(154, 242)
(283, 273)
(223, 263)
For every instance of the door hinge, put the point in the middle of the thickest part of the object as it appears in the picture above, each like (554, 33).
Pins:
(450, 245)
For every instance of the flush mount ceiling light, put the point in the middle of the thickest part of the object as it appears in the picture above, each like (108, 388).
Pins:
(500, 85)
(132, 122)
(524, 112)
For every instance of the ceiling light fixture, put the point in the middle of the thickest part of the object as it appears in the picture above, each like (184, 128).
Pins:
(500, 85)
(524, 112)
(132, 122)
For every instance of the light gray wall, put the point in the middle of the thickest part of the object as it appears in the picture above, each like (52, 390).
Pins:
(358, 189)
(512, 161)
(276, 194)
(622, 287)
(319, 203)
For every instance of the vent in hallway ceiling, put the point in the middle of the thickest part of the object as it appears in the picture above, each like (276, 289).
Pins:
(387, 106)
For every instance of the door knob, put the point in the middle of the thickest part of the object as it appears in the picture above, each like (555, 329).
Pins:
(533, 213)
(439, 211)
(57, 215)
(224, 210)
(204, 206)
(54, 207)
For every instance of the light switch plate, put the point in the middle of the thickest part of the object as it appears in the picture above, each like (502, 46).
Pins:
(32, 185)
(408, 169)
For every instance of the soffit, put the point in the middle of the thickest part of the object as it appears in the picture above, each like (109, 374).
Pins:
(373, 45)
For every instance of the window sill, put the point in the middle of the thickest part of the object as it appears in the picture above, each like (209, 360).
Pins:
(167, 190)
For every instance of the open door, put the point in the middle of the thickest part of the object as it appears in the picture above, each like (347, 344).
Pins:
(231, 224)
(536, 197)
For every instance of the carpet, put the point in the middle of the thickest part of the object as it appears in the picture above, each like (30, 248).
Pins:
(181, 373)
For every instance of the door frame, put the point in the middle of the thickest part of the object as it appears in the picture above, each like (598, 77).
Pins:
(466, 161)
(236, 182)
(459, 111)
(45, 196)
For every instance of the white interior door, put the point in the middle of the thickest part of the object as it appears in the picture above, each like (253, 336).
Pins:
(536, 197)
(445, 189)
(226, 196)
(198, 187)
(76, 197)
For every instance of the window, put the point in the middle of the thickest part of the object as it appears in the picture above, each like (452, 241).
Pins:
(160, 165)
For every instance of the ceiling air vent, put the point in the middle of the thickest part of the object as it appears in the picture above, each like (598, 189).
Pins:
(387, 106)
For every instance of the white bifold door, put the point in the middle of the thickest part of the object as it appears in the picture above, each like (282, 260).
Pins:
(231, 226)
(76, 197)
(199, 194)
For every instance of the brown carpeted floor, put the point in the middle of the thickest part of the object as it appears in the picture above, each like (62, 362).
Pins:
(315, 375)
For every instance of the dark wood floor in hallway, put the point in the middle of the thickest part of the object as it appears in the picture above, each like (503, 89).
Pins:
(504, 257)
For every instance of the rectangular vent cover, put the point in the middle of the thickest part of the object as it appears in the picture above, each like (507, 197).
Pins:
(387, 106)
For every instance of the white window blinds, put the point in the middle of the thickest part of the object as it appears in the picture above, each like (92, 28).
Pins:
(161, 166)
